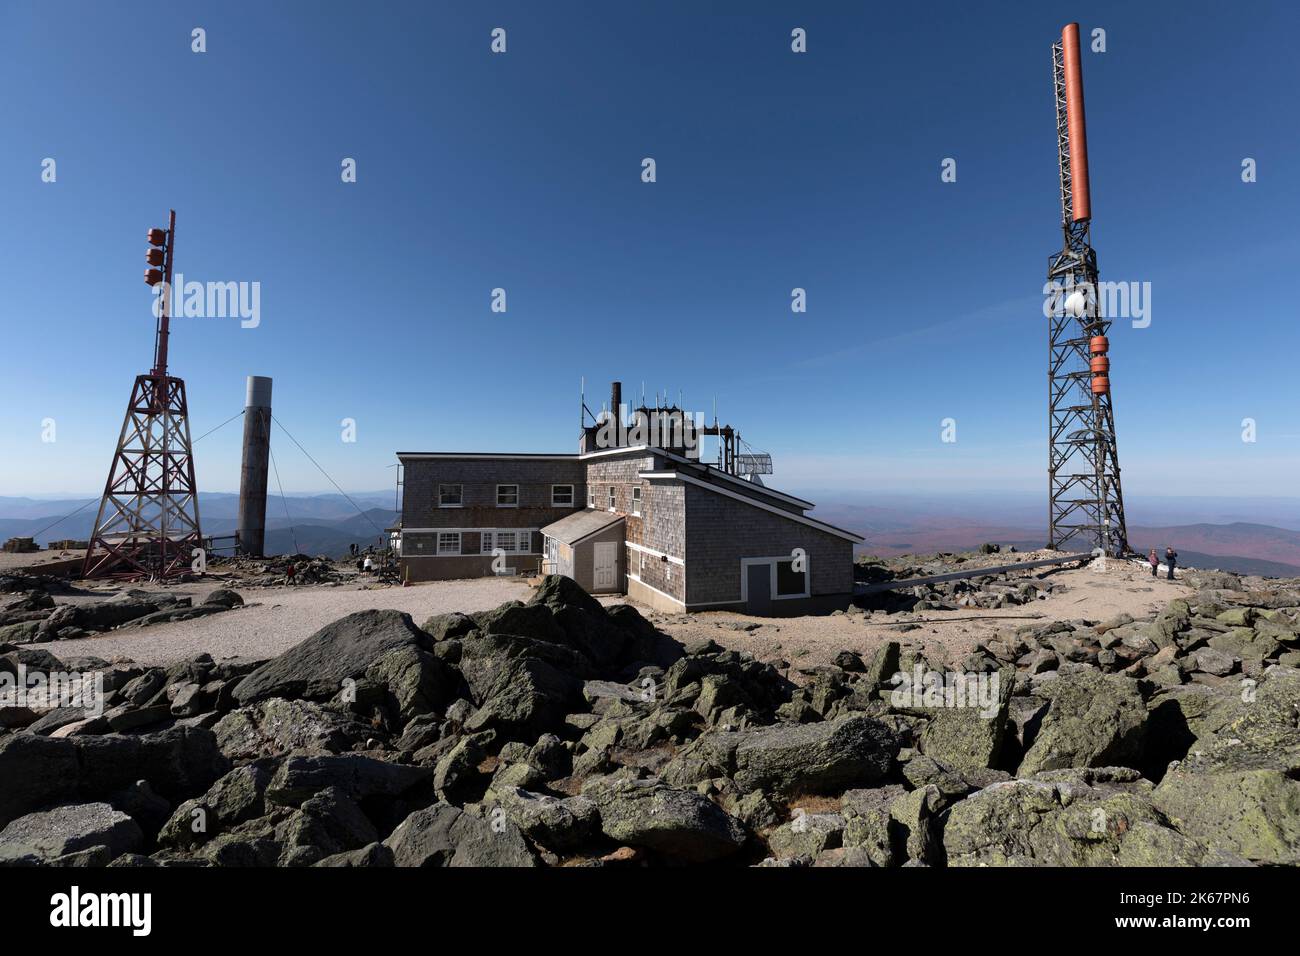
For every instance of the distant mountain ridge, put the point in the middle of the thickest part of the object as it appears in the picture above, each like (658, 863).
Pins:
(317, 524)
(892, 524)
(896, 529)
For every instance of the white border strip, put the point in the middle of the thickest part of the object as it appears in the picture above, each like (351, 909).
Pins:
(657, 554)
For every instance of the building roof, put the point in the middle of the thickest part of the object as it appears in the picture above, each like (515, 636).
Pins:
(577, 527)
(753, 501)
(543, 456)
(705, 469)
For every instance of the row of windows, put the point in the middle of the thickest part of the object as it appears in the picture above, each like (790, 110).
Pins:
(612, 498)
(453, 496)
(449, 542)
(508, 541)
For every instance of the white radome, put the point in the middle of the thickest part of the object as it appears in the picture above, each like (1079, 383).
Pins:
(1075, 303)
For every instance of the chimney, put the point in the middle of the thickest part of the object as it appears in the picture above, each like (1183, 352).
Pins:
(616, 400)
(252, 475)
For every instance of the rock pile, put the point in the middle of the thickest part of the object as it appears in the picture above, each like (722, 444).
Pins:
(33, 617)
(558, 733)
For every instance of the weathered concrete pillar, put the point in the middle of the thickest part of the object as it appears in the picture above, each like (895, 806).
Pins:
(252, 474)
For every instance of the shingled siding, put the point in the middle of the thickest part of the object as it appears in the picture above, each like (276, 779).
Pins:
(720, 531)
(618, 473)
(661, 528)
(479, 478)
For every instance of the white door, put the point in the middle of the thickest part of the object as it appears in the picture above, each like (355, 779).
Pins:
(606, 558)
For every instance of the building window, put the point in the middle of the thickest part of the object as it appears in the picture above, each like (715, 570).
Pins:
(789, 582)
(636, 499)
(562, 496)
(509, 542)
(449, 496)
(507, 496)
(591, 497)
(449, 542)
(613, 500)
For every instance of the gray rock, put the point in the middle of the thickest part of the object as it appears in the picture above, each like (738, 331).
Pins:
(417, 681)
(317, 667)
(815, 758)
(680, 824)
(1093, 720)
(375, 854)
(275, 727)
(46, 836)
(302, 776)
(442, 835)
(235, 798)
(1080, 820)
(558, 824)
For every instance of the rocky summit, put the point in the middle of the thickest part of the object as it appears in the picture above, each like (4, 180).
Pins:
(560, 733)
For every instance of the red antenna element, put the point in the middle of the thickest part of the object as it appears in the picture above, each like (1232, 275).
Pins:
(1077, 125)
(162, 257)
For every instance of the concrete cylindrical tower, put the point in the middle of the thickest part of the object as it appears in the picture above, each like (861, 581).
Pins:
(252, 474)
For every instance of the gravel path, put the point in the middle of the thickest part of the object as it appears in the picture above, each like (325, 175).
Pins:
(275, 619)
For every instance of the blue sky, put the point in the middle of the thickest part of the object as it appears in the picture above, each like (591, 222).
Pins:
(522, 171)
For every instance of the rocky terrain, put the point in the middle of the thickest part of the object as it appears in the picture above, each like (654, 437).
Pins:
(559, 732)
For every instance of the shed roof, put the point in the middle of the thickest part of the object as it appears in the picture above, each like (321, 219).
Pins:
(580, 525)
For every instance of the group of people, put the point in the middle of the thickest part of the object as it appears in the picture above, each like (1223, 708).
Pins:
(366, 563)
(1171, 560)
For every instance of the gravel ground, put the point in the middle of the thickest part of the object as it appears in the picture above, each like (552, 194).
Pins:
(275, 619)
(810, 641)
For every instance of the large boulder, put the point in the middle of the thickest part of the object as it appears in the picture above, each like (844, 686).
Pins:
(1093, 720)
(235, 798)
(1237, 788)
(45, 837)
(1059, 818)
(522, 687)
(968, 731)
(37, 771)
(416, 681)
(1254, 814)
(681, 824)
(301, 776)
(443, 835)
(559, 824)
(274, 727)
(823, 757)
(177, 762)
(34, 771)
(340, 651)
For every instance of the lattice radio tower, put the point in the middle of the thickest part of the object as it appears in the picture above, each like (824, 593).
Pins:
(148, 521)
(1085, 498)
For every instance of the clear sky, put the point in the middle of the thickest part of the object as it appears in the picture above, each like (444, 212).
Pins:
(522, 171)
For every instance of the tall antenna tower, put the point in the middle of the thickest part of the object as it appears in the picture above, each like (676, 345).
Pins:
(1085, 499)
(148, 521)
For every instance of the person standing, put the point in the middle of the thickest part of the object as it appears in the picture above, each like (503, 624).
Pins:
(369, 565)
(1154, 561)
(1171, 559)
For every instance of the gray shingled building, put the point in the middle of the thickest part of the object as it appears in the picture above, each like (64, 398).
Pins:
(650, 522)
